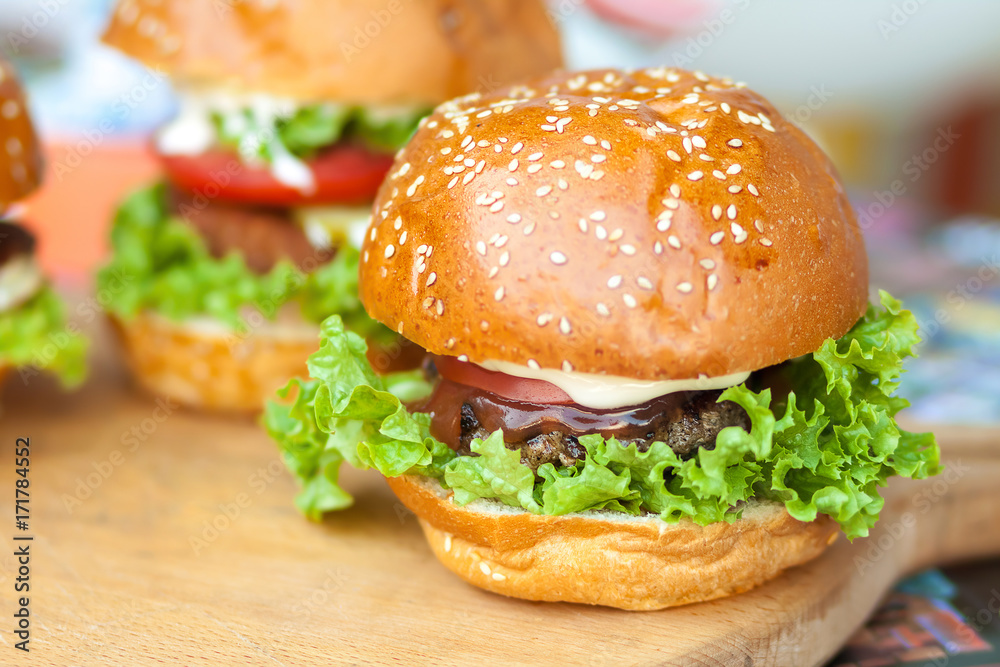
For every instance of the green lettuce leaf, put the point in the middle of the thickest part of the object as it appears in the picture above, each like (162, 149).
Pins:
(824, 448)
(36, 335)
(160, 263)
(306, 130)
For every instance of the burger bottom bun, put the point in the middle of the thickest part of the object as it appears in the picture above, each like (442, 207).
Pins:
(610, 559)
(206, 365)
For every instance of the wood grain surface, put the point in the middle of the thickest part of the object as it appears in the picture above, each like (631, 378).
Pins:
(169, 537)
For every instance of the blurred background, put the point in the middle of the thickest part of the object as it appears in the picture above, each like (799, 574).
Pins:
(904, 94)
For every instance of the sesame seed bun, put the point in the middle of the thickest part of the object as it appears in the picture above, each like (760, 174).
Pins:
(21, 166)
(607, 558)
(362, 51)
(656, 224)
(209, 368)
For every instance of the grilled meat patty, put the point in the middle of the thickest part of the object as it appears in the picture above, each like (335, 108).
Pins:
(695, 425)
(263, 235)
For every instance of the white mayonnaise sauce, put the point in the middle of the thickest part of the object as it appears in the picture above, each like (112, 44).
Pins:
(327, 226)
(605, 392)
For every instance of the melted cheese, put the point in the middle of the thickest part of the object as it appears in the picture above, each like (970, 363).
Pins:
(20, 279)
(605, 392)
(329, 226)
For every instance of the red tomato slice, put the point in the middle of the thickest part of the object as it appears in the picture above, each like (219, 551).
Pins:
(344, 175)
(509, 386)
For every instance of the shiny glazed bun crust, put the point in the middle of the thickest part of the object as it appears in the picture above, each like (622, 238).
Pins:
(656, 224)
(607, 558)
(363, 51)
(21, 165)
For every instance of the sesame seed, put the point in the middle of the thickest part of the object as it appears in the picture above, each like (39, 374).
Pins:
(597, 159)
(402, 238)
(617, 234)
(516, 148)
(735, 188)
(498, 295)
(439, 306)
(498, 577)
(544, 190)
(567, 367)
(675, 190)
(496, 207)
(695, 175)
(512, 181)
(532, 364)
(557, 258)
(684, 288)
(673, 156)
(535, 157)
(598, 216)
(725, 107)
(605, 144)
(698, 141)
(543, 319)
(687, 144)
(601, 232)
(513, 165)
(627, 249)
(514, 218)
(565, 327)
(752, 190)
(629, 300)
(644, 283)
(557, 164)
(658, 248)
(431, 278)
(582, 224)
(707, 264)
(735, 143)
(734, 169)
(717, 237)
(397, 223)
(765, 242)
(758, 226)
(389, 251)
(505, 258)
(602, 310)
(731, 212)
(447, 542)
(534, 169)
(716, 211)
(481, 248)
(614, 282)
(468, 178)
(485, 568)
(712, 281)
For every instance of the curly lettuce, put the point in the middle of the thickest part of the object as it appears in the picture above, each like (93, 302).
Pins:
(161, 264)
(824, 448)
(37, 335)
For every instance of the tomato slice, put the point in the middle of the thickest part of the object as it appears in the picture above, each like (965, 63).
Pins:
(344, 174)
(526, 390)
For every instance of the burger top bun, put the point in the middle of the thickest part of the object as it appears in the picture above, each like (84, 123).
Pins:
(20, 154)
(657, 224)
(361, 51)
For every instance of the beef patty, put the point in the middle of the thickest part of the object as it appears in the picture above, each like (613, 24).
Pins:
(263, 235)
(549, 433)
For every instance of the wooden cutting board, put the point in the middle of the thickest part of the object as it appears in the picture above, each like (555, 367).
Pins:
(165, 535)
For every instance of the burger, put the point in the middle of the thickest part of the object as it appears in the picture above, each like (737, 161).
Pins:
(290, 112)
(34, 333)
(652, 374)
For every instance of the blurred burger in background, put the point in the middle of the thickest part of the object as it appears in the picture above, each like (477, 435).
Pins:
(34, 333)
(291, 111)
